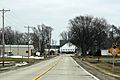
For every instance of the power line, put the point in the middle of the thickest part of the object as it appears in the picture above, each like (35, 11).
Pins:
(18, 19)
(3, 41)
(9, 23)
(15, 22)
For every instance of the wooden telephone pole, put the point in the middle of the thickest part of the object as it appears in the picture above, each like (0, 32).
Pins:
(28, 27)
(3, 40)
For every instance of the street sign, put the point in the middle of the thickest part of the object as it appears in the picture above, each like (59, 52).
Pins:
(114, 51)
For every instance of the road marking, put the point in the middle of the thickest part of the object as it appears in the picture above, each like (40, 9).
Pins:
(48, 69)
(86, 71)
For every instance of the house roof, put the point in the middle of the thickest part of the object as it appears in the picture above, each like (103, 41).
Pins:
(63, 42)
(68, 46)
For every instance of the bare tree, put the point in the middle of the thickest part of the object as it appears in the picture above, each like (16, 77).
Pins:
(64, 35)
(42, 37)
(13, 37)
(88, 32)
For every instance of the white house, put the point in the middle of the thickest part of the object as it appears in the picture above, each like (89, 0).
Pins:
(68, 47)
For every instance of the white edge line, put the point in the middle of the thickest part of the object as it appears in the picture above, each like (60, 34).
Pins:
(86, 71)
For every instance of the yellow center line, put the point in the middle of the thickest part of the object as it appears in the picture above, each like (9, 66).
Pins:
(44, 72)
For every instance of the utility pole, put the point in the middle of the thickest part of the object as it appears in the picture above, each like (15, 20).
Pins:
(39, 37)
(3, 40)
(28, 27)
(112, 35)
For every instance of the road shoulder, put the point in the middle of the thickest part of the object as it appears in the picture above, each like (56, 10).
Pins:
(95, 70)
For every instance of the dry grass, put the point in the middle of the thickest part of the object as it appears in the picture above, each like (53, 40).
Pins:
(105, 63)
(18, 60)
(102, 68)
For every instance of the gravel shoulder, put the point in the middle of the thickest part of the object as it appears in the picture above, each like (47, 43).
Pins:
(101, 73)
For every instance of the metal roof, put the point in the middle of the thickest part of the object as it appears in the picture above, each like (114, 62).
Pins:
(21, 46)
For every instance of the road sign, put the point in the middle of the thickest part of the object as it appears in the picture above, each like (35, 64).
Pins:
(114, 50)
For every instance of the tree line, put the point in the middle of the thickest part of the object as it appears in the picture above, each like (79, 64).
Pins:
(40, 38)
(13, 37)
(89, 33)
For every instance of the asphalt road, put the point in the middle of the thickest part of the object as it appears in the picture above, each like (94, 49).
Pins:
(28, 73)
(67, 69)
(59, 68)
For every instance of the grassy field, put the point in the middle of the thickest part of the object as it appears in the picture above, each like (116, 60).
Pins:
(18, 60)
(104, 64)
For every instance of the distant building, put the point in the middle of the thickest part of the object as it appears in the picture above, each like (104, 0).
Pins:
(55, 47)
(17, 50)
(67, 48)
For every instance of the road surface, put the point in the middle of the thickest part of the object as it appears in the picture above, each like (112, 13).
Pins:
(28, 73)
(60, 68)
(67, 69)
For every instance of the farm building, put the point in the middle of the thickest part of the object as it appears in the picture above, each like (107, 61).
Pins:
(67, 48)
(17, 50)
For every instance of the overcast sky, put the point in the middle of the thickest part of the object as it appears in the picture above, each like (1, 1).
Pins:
(56, 13)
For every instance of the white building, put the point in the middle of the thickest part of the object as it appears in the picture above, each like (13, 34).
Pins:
(68, 47)
(105, 53)
(17, 50)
